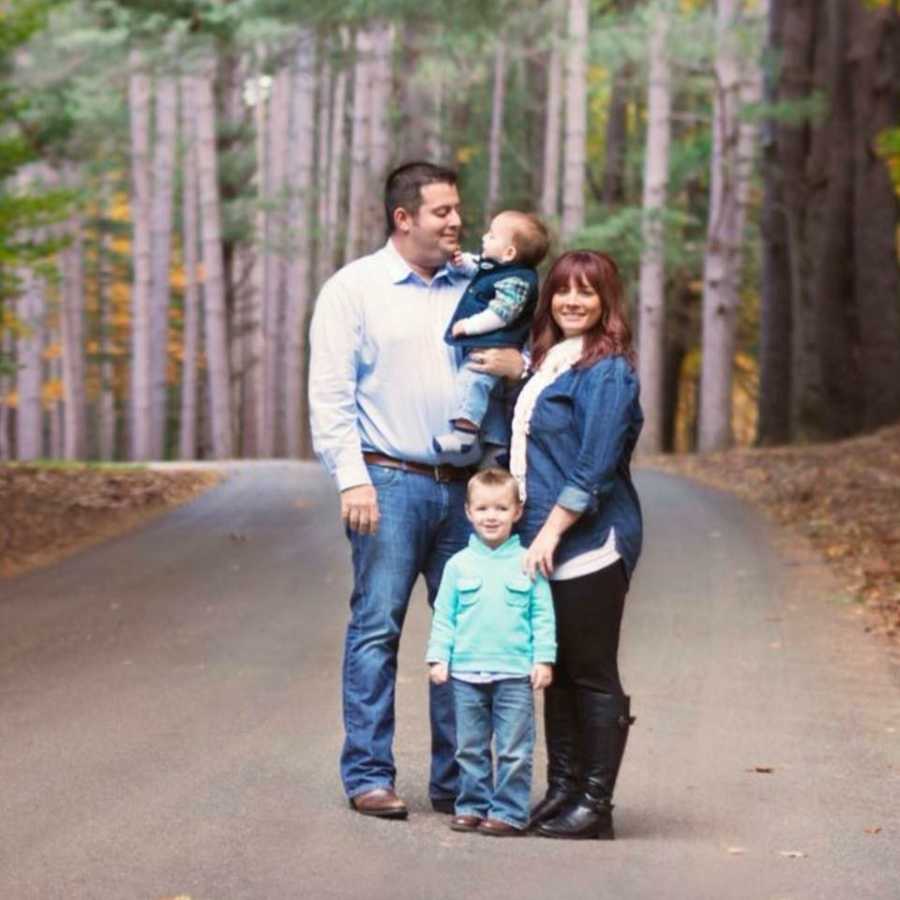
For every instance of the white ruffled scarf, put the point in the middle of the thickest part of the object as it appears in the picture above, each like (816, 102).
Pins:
(560, 358)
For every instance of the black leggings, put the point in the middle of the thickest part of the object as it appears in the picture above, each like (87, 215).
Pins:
(588, 619)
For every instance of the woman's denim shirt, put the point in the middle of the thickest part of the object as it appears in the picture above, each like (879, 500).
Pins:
(581, 437)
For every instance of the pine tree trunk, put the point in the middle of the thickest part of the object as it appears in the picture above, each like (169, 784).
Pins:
(830, 166)
(216, 330)
(161, 253)
(612, 189)
(7, 348)
(874, 76)
(575, 120)
(187, 439)
(495, 143)
(379, 135)
(335, 169)
(323, 171)
(141, 386)
(774, 422)
(273, 321)
(72, 329)
(359, 143)
(300, 179)
(29, 375)
(55, 412)
(723, 244)
(106, 414)
(798, 34)
(652, 273)
(552, 130)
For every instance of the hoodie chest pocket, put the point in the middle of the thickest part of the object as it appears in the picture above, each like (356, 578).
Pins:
(518, 591)
(469, 590)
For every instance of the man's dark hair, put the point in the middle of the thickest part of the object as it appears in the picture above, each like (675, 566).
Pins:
(403, 187)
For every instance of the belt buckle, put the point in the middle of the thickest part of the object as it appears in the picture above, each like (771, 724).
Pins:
(440, 476)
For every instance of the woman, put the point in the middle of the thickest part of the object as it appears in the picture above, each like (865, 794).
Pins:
(575, 425)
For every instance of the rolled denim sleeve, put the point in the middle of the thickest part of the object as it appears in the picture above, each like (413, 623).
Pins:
(603, 405)
(443, 622)
(543, 622)
(335, 340)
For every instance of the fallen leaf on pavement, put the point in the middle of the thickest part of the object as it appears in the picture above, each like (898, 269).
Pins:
(763, 770)
(736, 851)
(874, 830)
(792, 854)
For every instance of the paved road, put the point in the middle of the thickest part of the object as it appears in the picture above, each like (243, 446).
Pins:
(169, 722)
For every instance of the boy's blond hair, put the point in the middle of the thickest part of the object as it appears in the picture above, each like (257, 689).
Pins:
(530, 237)
(492, 477)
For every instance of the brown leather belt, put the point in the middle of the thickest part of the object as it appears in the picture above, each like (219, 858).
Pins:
(441, 474)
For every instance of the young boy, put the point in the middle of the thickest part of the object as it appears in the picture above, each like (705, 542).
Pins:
(494, 634)
(494, 311)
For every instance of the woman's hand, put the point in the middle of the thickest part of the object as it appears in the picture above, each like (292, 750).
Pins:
(507, 362)
(539, 556)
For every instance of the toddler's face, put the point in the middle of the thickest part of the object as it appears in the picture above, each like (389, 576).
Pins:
(497, 242)
(493, 510)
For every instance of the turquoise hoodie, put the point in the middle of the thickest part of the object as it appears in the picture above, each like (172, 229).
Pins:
(489, 616)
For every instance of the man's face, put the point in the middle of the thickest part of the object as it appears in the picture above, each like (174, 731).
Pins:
(432, 234)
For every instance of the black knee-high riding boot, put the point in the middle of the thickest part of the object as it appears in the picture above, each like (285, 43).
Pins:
(605, 720)
(561, 733)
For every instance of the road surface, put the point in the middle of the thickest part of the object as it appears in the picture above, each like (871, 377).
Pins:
(170, 723)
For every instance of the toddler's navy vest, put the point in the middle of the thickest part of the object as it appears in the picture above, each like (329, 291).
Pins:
(476, 298)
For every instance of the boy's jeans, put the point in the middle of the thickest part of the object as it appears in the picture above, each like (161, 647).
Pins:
(505, 710)
(422, 525)
(478, 401)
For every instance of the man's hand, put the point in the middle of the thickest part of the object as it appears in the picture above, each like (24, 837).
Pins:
(507, 362)
(541, 676)
(359, 508)
(438, 673)
(458, 328)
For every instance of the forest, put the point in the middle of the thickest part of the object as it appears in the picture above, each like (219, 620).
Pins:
(179, 179)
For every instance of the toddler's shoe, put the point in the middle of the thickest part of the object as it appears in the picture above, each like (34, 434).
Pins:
(496, 828)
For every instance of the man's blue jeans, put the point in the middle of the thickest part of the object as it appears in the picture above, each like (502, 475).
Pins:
(422, 524)
(505, 710)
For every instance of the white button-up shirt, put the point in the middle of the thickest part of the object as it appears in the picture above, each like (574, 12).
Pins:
(382, 377)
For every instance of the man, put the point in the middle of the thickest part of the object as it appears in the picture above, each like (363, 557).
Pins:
(382, 383)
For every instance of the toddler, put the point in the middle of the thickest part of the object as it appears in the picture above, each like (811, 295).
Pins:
(494, 634)
(494, 311)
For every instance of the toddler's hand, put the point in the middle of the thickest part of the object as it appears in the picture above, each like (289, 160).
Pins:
(458, 328)
(438, 673)
(541, 676)
(457, 260)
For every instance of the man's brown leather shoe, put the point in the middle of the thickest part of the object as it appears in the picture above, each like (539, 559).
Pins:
(381, 802)
(465, 823)
(496, 828)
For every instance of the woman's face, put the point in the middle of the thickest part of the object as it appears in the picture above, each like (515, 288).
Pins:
(576, 308)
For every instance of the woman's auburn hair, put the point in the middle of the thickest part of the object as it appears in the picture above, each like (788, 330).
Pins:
(611, 335)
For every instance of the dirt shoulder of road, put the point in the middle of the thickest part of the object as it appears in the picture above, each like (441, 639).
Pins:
(48, 511)
(844, 497)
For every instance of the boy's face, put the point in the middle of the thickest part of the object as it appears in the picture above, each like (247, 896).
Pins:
(493, 510)
(497, 242)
